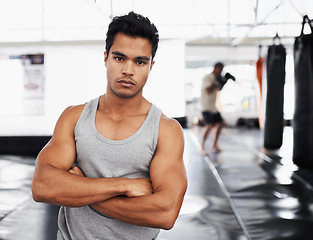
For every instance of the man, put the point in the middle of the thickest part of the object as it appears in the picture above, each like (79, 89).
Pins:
(212, 117)
(129, 178)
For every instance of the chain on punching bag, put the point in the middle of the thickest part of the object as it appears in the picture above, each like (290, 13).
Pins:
(274, 119)
(303, 115)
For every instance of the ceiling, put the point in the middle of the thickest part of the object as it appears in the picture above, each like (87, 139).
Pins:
(200, 23)
(212, 22)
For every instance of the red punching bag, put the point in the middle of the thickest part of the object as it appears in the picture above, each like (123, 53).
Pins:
(259, 75)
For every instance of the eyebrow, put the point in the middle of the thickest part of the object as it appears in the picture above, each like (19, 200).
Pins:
(138, 58)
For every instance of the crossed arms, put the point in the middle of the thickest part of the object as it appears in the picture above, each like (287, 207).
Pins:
(153, 202)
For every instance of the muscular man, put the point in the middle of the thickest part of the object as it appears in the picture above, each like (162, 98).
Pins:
(115, 164)
(212, 117)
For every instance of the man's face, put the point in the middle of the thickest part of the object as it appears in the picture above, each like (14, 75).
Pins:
(128, 63)
(219, 70)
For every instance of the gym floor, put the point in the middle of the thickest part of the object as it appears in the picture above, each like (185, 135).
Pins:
(243, 192)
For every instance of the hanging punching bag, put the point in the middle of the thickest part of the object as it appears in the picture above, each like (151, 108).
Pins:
(274, 119)
(303, 115)
(259, 73)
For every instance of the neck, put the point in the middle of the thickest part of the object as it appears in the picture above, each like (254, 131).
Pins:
(116, 105)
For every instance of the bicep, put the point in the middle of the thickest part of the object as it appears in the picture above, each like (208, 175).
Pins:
(167, 171)
(60, 152)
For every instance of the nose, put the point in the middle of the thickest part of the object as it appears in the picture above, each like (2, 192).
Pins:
(128, 68)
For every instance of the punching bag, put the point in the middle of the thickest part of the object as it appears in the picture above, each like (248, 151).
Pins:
(259, 75)
(303, 115)
(274, 119)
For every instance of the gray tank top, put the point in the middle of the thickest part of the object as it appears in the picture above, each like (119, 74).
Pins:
(99, 157)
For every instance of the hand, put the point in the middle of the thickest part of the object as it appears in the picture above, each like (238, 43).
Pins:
(135, 187)
(138, 187)
(76, 170)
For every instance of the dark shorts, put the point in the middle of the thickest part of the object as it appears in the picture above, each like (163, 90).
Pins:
(210, 117)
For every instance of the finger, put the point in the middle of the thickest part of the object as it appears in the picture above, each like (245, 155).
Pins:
(77, 171)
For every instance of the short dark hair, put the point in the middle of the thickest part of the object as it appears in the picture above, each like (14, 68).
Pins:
(219, 65)
(134, 25)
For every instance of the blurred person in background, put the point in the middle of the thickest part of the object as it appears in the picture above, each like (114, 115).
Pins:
(211, 115)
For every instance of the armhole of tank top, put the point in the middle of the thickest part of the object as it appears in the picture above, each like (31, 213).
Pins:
(156, 128)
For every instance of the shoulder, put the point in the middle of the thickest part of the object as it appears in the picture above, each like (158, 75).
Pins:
(73, 112)
(208, 76)
(211, 77)
(170, 129)
(208, 79)
(169, 122)
(205, 77)
(69, 117)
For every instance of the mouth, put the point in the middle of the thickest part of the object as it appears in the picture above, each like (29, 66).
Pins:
(126, 83)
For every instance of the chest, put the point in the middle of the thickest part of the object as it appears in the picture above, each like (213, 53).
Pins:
(118, 128)
(109, 152)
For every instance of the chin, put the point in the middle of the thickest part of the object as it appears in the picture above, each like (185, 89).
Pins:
(126, 94)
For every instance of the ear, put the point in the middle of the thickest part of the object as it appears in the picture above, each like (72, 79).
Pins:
(152, 63)
(105, 58)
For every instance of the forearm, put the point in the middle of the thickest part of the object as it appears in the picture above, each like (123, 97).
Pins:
(154, 210)
(57, 186)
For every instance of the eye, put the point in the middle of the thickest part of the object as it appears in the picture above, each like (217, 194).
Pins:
(119, 59)
(141, 63)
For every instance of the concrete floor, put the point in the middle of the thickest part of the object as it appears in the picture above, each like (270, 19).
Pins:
(243, 192)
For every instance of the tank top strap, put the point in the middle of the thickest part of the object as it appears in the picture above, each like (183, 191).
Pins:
(150, 124)
(155, 117)
(89, 111)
